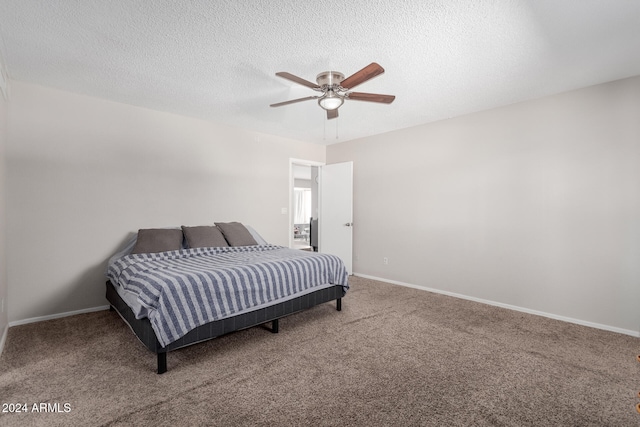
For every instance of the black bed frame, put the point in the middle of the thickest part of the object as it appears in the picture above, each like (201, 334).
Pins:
(142, 327)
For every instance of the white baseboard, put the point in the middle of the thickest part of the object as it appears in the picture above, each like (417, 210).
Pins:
(58, 315)
(508, 306)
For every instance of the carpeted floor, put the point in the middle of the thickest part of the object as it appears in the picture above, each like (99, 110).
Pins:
(394, 356)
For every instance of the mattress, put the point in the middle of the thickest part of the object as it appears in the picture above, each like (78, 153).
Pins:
(181, 290)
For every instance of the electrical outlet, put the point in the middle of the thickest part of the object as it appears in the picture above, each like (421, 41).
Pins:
(385, 261)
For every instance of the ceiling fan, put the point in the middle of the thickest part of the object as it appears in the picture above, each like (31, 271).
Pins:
(335, 88)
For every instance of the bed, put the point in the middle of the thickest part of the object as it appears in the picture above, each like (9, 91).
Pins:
(176, 287)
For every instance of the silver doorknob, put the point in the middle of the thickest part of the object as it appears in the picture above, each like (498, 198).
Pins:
(349, 224)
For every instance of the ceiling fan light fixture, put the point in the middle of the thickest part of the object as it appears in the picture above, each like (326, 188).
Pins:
(330, 100)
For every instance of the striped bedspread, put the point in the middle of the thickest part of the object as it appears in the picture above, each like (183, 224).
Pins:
(187, 288)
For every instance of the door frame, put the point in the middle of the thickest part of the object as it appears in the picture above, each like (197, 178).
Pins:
(292, 162)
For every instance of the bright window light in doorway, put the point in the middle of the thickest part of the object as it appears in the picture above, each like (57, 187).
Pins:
(301, 205)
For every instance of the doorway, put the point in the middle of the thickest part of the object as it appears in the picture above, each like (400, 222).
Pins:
(303, 204)
(329, 227)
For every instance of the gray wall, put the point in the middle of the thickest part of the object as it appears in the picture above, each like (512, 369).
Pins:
(3, 218)
(83, 173)
(534, 205)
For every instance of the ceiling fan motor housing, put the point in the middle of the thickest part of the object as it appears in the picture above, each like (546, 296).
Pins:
(329, 79)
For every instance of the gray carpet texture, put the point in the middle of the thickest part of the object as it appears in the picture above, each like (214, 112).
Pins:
(394, 356)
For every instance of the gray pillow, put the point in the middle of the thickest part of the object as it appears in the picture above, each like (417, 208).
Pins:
(152, 240)
(204, 236)
(236, 234)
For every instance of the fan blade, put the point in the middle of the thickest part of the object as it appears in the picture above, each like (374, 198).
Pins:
(368, 72)
(371, 97)
(332, 114)
(293, 101)
(297, 79)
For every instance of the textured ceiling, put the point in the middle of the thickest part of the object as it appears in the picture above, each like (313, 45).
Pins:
(217, 60)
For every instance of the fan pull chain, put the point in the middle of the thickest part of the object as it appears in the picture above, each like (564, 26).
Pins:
(324, 129)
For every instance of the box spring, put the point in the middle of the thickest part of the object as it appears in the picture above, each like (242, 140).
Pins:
(143, 330)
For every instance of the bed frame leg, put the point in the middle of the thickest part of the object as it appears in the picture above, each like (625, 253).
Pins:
(275, 325)
(339, 304)
(162, 363)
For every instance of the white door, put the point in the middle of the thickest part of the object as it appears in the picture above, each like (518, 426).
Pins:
(336, 212)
